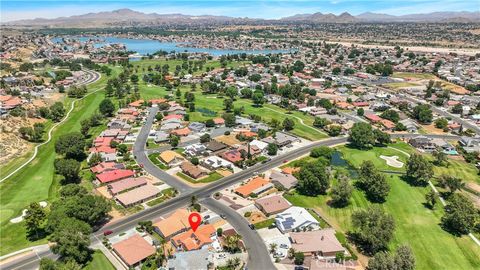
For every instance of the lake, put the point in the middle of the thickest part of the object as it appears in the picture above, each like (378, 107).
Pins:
(149, 46)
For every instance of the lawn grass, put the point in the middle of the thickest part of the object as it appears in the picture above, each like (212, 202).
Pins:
(37, 181)
(212, 177)
(357, 156)
(99, 261)
(460, 169)
(166, 194)
(414, 75)
(416, 225)
(154, 159)
(264, 224)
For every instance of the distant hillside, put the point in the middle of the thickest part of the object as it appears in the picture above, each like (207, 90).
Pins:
(128, 17)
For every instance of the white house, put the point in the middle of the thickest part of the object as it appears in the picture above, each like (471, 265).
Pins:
(295, 218)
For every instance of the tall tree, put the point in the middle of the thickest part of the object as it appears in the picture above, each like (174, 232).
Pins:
(361, 135)
(419, 169)
(341, 192)
(72, 145)
(69, 169)
(460, 215)
(72, 240)
(107, 107)
(373, 229)
(34, 219)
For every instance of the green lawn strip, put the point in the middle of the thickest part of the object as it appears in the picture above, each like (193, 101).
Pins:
(264, 224)
(416, 225)
(166, 194)
(460, 169)
(212, 177)
(151, 144)
(99, 261)
(155, 160)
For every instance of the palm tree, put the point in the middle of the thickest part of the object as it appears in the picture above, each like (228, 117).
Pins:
(273, 247)
(291, 253)
(230, 264)
(232, 241)
(236, 261)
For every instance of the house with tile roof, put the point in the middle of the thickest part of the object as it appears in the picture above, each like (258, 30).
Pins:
(171, 158)
(133, 250)
(114, 175)
(176, 223)
(255, 186)
(191, 240)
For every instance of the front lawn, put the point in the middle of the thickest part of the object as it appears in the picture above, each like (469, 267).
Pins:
(264, 224)
(99, 261)
(212, 177)
(154, 159)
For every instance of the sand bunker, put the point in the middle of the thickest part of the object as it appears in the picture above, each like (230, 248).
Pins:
(24, 213)
(392, 161)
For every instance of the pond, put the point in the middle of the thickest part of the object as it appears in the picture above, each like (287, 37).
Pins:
(150, 46)
(337, 160)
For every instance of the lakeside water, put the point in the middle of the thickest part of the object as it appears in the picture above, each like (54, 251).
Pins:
(149, 46)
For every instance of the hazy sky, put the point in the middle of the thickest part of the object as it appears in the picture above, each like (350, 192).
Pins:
(268, 9)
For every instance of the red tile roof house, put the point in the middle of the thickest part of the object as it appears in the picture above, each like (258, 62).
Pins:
(387, 124)
(115, 175)
(102, 149)
(99, 141)
(373, 118)
(133, 250)
(106, 166)
(232, 156)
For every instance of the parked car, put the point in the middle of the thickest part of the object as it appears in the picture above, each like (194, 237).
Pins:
(223, 216)
(107, 232)
(251, 226)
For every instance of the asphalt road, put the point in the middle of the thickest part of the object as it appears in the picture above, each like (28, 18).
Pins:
(142, 158)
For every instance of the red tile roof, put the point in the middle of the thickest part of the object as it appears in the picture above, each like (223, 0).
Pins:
(114, 175)
(134, 249)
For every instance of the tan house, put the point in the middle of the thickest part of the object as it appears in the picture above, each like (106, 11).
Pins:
(272, 204)
(322, 243)
(171, 158)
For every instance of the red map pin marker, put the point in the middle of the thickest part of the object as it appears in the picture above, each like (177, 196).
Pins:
(194, 219)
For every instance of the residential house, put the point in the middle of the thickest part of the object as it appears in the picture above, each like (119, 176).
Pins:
(272, 205)
(215, 146)
(171, 158)
(114, 175)
(422, 142)
(470, 144)
(197, 127)
(193, 171)
(321, 243)
(284, 180)
(138, 195)
(214, 163)
(133, 250)
(125, 184)
(255, 186)
(193, 240)
(232, 155)
(295, 218)
(176, 223)
(194, 150)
